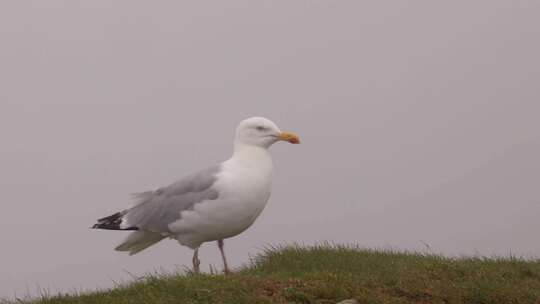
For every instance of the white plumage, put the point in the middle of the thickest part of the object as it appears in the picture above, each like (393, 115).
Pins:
(213, 204)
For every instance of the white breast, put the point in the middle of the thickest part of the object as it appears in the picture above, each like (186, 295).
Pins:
(244, 187)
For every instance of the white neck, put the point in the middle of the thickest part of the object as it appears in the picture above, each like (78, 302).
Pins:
(250, 155)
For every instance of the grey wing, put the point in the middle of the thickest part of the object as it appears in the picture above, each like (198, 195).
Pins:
(157, 209)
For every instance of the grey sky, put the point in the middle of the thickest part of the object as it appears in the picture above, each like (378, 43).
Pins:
(418, 119)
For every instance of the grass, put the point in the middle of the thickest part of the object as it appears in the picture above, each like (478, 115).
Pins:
(329, 274)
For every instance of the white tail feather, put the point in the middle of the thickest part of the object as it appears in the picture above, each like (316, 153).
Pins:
(138, 241)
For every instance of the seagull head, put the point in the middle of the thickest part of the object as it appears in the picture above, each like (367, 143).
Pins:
(262, 132)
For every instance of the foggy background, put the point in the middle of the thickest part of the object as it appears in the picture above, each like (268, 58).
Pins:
(419, 123)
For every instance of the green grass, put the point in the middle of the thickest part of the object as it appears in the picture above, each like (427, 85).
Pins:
(329, 274)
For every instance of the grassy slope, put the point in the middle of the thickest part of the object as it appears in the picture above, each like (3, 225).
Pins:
(328, 275)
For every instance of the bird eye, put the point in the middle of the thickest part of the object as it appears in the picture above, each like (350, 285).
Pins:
(260, 128)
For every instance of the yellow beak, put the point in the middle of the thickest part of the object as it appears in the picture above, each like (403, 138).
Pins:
(290, 137)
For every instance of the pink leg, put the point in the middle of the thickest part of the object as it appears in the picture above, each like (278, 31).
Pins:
(225, 266)
(196, 261)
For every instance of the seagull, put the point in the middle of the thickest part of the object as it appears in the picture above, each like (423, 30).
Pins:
(213, 204)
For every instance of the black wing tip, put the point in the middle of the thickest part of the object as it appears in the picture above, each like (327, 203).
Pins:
(112, 222)
(111, 218)
(106, 227)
